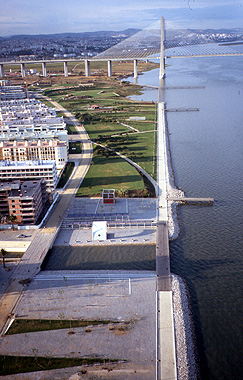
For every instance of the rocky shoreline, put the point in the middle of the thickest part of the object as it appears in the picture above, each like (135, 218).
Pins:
(184, 341)
(172, 191)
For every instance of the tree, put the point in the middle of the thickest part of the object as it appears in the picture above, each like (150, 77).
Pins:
(3, 253)
(12, 218)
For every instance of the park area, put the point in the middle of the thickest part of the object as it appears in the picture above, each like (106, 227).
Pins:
(115, 124)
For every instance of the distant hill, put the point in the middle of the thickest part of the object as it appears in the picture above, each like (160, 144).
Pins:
(232, 30)
(102, 33)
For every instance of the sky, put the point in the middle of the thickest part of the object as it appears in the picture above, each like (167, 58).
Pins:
(59, 16)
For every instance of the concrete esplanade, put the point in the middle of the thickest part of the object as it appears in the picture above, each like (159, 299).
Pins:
(65, 61)
(166, 356)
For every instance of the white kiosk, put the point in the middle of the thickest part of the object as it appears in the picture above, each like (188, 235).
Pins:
(99, 230)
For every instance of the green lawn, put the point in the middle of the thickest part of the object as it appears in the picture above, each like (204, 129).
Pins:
(140, 148)
(101, 124)
(71, 129)
(22, 364)
(110, 173)
(75, 147)
(22, 326)
(97, 128)
(65, 175)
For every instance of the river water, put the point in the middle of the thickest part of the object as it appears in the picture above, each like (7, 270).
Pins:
(207, 155)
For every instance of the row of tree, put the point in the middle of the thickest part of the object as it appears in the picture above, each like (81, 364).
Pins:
(10, 218)
(3, 253)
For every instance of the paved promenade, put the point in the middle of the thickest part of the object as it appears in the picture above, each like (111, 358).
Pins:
(96, 295)
(166, 358)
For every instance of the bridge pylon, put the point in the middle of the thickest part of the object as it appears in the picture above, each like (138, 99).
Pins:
(162, 50)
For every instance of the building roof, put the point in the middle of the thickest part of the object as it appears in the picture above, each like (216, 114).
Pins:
(27, 163)
(26, 190)
(33, 144)
(15, 184)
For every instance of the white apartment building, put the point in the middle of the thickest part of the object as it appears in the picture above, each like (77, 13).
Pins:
(12, 92)
(33, 106)
(37, 135)
(33, 126)
(35, 150)
(29, 116)
(12, 170)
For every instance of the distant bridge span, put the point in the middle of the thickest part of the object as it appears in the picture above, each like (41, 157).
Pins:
(65, 61)
(135, 51)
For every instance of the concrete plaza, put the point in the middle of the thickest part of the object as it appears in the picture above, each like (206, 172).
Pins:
(124, 297)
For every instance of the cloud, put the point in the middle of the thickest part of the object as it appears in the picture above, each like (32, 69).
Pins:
(33, 17)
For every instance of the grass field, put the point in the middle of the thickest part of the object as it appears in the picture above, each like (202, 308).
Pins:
(75, 147)
(110, 173)
(105, 110)
(71, 129)
(21, 326)
(65, 175)
(22, 364)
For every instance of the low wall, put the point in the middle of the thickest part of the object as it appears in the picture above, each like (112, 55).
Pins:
(15, 246)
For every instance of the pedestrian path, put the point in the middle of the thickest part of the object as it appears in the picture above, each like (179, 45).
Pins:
(166, 357)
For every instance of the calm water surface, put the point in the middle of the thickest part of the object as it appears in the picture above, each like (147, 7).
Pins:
(207, 153)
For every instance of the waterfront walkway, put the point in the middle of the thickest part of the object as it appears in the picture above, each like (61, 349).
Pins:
(166, 358)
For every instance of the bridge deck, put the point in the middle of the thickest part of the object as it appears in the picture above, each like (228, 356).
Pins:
(162, 258)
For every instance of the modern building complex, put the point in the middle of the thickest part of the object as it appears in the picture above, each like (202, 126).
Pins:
(35, 150)
(30, 170)
(26, 202)
(12, 92)
(5, 188)
(27, 130)
(33, 139)
(23, 200)
(28, 115)
(33, 136)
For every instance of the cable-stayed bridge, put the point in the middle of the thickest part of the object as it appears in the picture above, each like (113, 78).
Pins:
(155, 41)
(177, 43)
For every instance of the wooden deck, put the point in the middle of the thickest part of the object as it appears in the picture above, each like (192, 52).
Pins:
(191, 200)
(181, 109)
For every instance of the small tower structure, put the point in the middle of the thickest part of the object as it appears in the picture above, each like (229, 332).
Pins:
(108, 196)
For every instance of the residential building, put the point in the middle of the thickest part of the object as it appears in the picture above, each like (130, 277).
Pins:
(26, 202)
(12, 92)
(35, 150)
(30, 170)
(35, 135)
(28, 115)
(5, 188)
